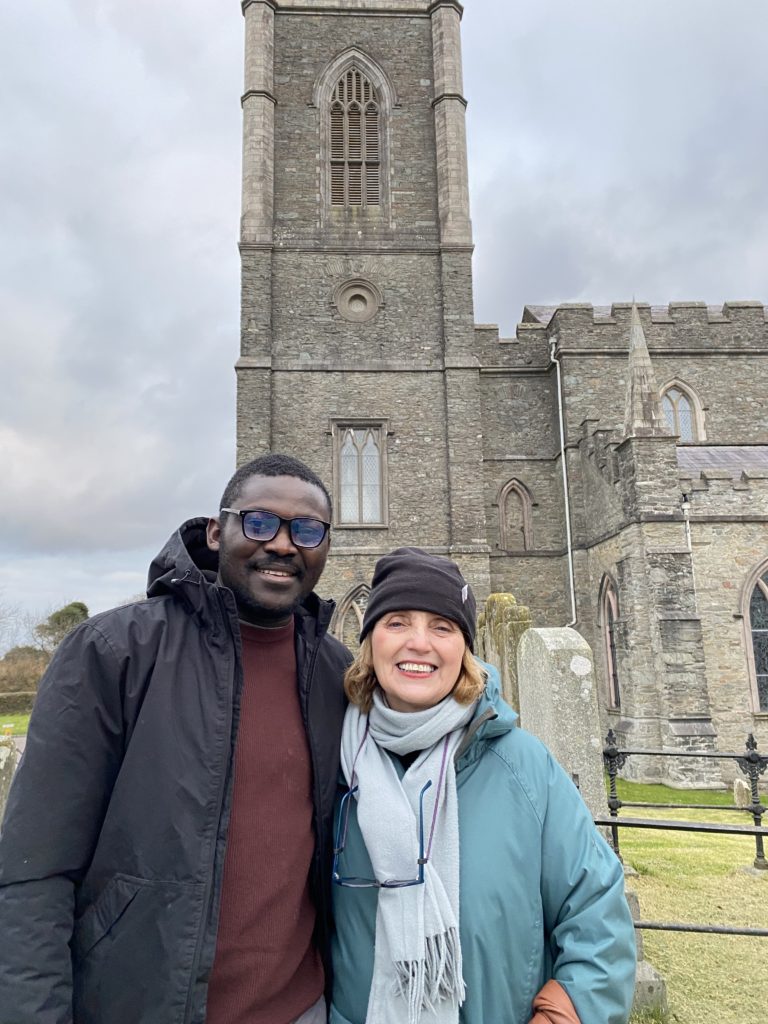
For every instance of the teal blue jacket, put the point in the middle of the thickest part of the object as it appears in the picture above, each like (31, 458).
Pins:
(542, 894)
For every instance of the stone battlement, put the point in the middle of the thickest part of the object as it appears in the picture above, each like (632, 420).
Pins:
(718, 492)
(684, 313)
(684, 327)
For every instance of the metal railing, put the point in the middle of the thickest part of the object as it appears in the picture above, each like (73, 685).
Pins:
(752, 764)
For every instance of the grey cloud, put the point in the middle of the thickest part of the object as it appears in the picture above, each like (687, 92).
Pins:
(615, 149)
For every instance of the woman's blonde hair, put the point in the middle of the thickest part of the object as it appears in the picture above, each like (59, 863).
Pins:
(360, 680)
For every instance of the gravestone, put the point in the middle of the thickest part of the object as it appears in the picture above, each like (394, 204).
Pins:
(558, 703)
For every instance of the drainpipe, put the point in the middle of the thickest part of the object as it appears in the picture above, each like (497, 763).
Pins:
(685, 507)
(568, 540)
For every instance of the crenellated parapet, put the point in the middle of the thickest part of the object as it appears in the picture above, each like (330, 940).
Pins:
(681, 326)
(720, 493)
(598, 446)
(528, 350)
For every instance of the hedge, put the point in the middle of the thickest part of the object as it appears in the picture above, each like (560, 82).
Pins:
(16, 703)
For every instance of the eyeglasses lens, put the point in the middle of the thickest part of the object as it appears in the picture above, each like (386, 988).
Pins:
(307, 533)
(260, 525)
(263, 526)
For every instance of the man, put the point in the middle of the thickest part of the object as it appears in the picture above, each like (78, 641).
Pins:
(165, 854)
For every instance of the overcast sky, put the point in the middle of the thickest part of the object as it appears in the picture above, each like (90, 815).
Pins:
(617, 148)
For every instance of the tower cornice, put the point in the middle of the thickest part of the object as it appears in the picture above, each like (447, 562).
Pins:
(354, 6)
(245, 4)
(437, 4)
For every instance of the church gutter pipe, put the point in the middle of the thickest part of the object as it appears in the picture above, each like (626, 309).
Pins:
(568, 538)
(685, 507)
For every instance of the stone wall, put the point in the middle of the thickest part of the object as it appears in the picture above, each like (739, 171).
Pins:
(709, 348)
(724, 554)
(402, 47)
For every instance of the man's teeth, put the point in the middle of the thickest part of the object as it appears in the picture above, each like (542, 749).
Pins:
(412, 666)
(275, 572)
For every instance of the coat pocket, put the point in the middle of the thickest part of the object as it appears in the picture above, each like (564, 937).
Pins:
(103, 915)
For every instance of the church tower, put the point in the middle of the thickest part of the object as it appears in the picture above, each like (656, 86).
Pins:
(357, 343)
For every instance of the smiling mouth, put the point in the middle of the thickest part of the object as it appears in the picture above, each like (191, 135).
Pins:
(277, 574)
(416, 668)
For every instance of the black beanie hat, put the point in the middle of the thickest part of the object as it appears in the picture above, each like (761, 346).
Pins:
(409, 578)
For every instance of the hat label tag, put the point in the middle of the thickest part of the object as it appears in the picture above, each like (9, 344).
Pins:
(464, 593)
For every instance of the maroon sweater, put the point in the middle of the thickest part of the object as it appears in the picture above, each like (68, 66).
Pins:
(266, 969)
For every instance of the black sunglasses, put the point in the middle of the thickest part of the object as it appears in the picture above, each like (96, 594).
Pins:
(260, 525)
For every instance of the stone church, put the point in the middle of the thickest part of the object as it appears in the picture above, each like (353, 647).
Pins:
(607, 466)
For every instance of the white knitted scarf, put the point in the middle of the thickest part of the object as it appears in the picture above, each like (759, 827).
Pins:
(417, 962)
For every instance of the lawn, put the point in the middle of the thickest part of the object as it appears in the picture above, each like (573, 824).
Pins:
(19, 723)
(695, 878)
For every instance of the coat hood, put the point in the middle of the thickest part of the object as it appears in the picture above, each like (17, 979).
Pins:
(493, 717)
(492, 705)
(185, 553)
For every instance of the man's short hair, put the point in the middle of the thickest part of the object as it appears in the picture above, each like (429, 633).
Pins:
(273, 464)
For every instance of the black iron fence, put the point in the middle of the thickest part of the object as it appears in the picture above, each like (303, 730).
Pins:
(751, 763)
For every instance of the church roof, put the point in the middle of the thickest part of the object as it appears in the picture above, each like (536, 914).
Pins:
(735, 457)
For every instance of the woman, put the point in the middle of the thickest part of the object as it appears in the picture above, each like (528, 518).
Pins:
(471, 884)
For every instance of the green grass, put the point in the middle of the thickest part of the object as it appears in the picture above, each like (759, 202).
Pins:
(691, 877)
(648, 1017)
(19, 723)
(638, 792)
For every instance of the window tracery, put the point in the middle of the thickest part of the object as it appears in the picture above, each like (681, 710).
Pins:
(360, 473)
(682, 412)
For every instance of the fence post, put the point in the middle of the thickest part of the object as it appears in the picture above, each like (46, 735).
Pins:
(614, 761)
(753, 765)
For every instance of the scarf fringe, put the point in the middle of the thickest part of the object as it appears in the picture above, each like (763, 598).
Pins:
(437, 978)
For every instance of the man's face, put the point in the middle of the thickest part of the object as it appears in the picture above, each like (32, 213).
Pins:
(270, 578)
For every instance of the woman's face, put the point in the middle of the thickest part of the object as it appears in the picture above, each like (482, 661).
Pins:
(417, 658)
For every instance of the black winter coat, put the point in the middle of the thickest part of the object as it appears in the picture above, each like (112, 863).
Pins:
(112, 846)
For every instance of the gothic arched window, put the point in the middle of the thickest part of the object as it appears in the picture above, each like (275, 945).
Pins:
(515, 517)
(360, 473)
(348, 617)
(609, 615)
(355, 142)
(757, 634)
(682, 412)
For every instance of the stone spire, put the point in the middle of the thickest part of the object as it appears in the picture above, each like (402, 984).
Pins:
(644, 416)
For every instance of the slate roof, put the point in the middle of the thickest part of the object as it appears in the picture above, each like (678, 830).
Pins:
(735, 457)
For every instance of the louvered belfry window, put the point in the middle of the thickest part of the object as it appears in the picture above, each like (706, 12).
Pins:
(355, 142)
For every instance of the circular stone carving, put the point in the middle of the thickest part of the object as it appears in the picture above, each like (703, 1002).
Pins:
(357, 300)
